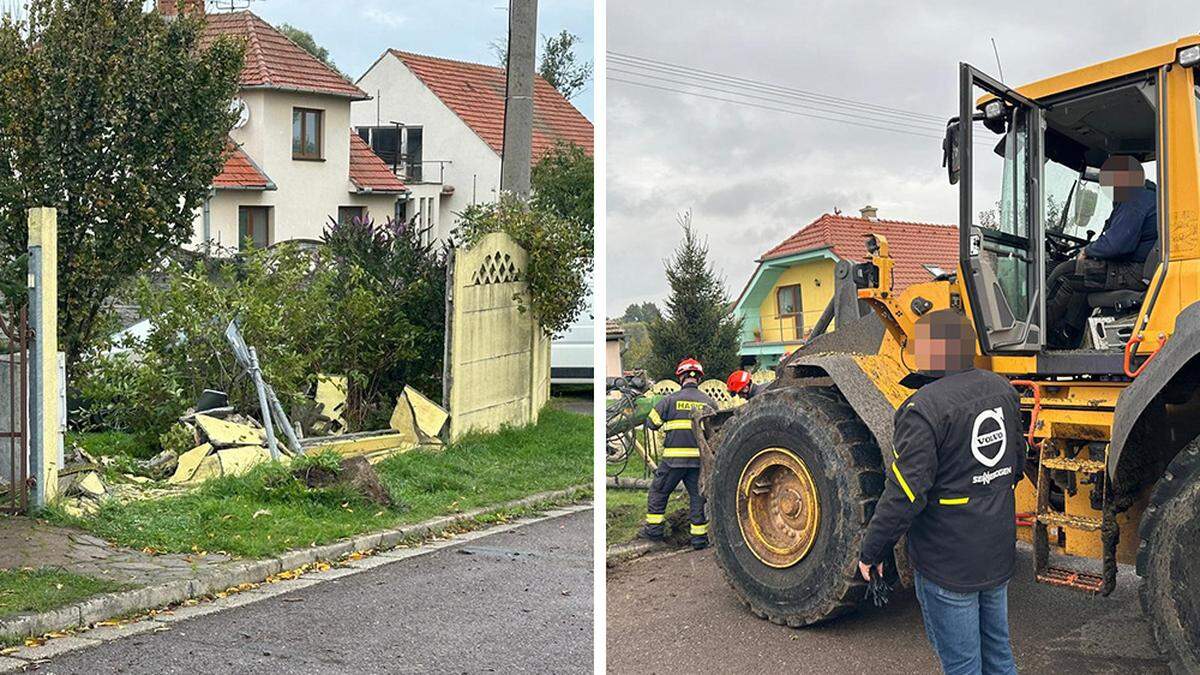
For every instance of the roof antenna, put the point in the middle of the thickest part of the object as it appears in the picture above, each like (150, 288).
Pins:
(230, 5)
(997, 53)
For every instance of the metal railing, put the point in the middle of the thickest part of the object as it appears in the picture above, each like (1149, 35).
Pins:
(778, 328)
(415, 172)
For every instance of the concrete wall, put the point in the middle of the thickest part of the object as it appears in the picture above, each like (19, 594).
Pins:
(308, 192)
(400, 96)
(498, 357)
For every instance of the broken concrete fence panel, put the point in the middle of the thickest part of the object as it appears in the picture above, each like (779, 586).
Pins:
(403, 421)
(90, 485)
(430, 417)
(226, 434)
(237, 461)
(188, 464)
(373, 445)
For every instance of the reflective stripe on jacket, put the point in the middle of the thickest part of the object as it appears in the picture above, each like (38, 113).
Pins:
(673, 414)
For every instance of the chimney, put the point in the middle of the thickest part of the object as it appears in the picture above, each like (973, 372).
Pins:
(869, 212)
(170, 8)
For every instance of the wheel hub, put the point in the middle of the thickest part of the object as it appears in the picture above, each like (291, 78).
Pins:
(777, 507)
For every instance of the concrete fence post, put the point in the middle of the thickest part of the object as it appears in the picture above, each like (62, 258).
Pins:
(43, 354)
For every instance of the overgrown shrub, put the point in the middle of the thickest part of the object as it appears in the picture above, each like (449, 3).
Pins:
(368, 304)
(278, 297)
(386, 318)
(560, 249)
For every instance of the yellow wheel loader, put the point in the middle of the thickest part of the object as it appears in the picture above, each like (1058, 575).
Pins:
(1113, 426)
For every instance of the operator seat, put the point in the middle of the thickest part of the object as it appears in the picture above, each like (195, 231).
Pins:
(1124, 301)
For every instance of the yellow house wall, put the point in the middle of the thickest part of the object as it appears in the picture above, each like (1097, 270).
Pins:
(499, 356)
(815, 278)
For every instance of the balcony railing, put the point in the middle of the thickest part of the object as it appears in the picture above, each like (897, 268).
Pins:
(777, 328)
(428, 171)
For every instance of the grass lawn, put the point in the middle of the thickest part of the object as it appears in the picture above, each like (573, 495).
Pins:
(37, 590)
(626, 511)
(266, 512)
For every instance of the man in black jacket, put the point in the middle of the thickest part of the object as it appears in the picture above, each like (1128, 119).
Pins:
(959, 452)
(681, 454)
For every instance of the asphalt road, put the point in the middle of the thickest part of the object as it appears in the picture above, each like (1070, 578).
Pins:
(674, 613)
(519, 600)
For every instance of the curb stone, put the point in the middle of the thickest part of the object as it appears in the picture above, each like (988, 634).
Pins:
(620, 553)
(208, 582)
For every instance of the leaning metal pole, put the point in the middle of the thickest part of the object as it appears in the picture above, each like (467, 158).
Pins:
(256, 374)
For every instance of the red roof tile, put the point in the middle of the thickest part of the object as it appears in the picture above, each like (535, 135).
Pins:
(475, 93)
(274, 61)
(911, 244)
(240, 172)
(368, 171)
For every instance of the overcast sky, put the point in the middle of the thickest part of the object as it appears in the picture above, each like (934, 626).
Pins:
(752, 177)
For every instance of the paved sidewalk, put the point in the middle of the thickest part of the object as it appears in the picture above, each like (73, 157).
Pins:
(25, 542)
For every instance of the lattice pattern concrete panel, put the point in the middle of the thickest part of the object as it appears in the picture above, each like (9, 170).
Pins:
(498, 357)
(496, 268)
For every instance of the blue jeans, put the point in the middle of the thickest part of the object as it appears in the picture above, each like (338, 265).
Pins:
(969, 631)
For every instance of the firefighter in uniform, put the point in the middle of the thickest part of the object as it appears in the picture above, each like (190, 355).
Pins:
(959, 450)
(740, 383)
(681, 453)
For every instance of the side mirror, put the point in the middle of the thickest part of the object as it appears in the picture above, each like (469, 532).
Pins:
(950, 156)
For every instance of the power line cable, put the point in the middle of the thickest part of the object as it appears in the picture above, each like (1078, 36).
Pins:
(665, 65)
(749, 104)
(772, 108)
(922, 126)
(877, 115)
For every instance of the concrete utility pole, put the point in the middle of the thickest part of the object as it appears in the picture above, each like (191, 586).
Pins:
(517, 158)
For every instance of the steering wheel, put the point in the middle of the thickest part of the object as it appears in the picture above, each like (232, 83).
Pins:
(1064, 246)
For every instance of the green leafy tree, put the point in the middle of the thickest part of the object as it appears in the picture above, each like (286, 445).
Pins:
(560, 251)
(558, 66)
(638, 349)
(698, 322)
(308, 43)
(563, 183)
(645, 312)
(118, 119)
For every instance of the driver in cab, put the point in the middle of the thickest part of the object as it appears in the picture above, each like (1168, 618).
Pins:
(1114, 261)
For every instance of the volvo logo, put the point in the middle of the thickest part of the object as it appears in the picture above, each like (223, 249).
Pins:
(984, 439)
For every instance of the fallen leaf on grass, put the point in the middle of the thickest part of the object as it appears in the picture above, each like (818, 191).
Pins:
(260, 512)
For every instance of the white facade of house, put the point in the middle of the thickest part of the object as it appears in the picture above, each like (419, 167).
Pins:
(307, 192)
(471, 172)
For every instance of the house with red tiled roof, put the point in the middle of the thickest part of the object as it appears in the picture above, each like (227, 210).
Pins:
(440, 122)
(291, 162)
(794, 279)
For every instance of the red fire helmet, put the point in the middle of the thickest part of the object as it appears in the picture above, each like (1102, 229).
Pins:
(738, 380)
(687, 366)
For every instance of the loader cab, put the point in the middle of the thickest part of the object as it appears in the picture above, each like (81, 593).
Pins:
(1027, 171)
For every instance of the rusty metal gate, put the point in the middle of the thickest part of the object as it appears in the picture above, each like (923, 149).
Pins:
(14, 414)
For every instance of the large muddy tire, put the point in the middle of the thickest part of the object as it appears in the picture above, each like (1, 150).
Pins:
(1167, 558)
(795, 481)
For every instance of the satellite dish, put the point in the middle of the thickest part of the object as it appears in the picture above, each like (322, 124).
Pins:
(239, 107)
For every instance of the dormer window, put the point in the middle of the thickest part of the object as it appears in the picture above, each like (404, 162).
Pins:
(307, 128)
